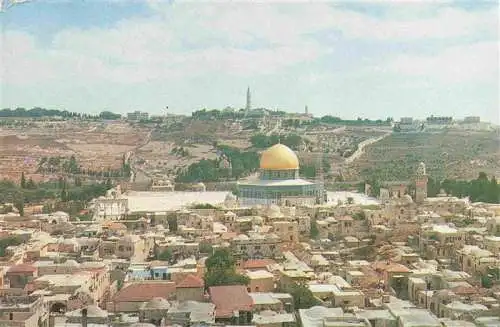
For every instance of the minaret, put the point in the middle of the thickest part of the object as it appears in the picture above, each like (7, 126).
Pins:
(249, 102)
(420, 183)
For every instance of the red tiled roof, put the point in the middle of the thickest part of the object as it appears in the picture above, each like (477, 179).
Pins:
(30, 287)
(228, 236)
(390, 267)
(191, 281)
(257, 263)
(144, 291)
(21, 268)
(463, 290)
(398, 268)
(228, 299)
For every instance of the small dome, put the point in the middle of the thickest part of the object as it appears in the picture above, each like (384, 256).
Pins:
(273, 211)
(241, 237)
(331, 220)
(157, 303)
(71, 263)
(70, 241)
(407, 198)
(316, 312)
(93, 311)
(421, 169)
(230, 197)
(279, 157)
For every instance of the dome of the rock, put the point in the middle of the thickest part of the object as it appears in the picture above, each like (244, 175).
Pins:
(279, 157)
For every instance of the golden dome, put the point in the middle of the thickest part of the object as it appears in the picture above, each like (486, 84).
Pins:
(279, 157)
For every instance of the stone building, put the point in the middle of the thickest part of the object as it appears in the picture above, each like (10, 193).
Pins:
(256, 246)
(279, 182)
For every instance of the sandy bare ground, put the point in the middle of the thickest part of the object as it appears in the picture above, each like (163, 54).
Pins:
(85, 150)
(159, 156)
(96, 145)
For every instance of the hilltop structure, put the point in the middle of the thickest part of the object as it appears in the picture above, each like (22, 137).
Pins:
(248, 105)
(421, 183)
(279, 182)
(416, 188)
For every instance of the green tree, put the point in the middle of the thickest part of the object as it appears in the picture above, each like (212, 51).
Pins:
(360, 215)
(206, 247)
(308, 171)
(221, 270)
(9, 241)
(486, 281)
(314, 232)
(166, 255)
(72, 166)
(375, 187)
(108, 115)
(172, 223)
(64, 193)
(30, 184)
(19, 204)
(433, 187)
(303, 298)
(23, 180)
(494, 191)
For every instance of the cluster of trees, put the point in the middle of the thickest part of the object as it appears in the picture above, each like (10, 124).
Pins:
(310, 171)
(303, 298)
(262, 141)
(9, 241)
(37, 113)
(211, 170)
(203, 206)
(62, 190)
(180, 151)
(41, 112)
(207, 114)
(296, 123)
(84, 193)
(481, 189)
(71, 166)
(220, 269)
(215, 114)
(359, 121)
(166, 255)
(314, 231)
(243, 163)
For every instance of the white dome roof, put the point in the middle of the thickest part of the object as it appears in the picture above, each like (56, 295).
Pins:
(158, 303)
(230, 197)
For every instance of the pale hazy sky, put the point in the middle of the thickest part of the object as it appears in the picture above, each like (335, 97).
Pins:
(371, 59)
